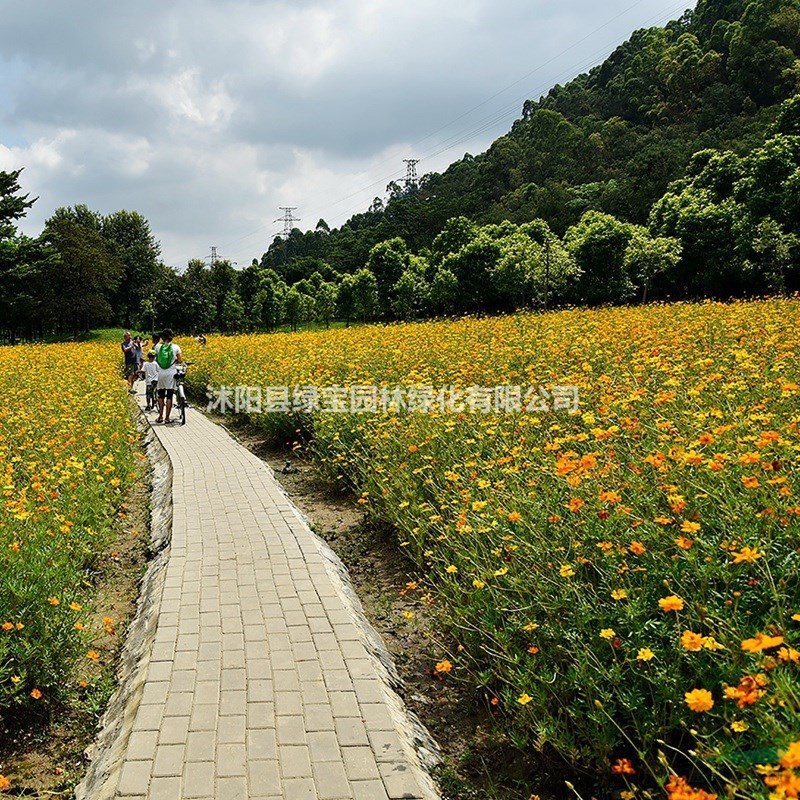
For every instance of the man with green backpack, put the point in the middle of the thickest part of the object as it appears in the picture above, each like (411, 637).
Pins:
(168, 355)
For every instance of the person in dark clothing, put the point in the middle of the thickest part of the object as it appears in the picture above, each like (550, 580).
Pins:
(131, 362)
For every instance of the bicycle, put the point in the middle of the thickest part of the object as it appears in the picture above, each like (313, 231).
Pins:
(180, 390)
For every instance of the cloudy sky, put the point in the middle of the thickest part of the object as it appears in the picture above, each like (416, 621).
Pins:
(206, 116)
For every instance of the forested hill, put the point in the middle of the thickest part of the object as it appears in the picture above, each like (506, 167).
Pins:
(610, 140)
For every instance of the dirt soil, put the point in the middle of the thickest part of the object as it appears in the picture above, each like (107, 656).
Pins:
(46, 758)
(479, 763)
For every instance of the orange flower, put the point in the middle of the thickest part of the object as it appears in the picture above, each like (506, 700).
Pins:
(36, 694)
(761, 641)
(5, 783)
(747, 693)
(692, 641)
(54, 601)
(684, 543)
(671, 603)
(679, 789)
(749, 481)
(514, 516)
(623, 766)
(576, 504)
(443, 666)
(637, 548)
(699, 700)
(791, 758)
(93, 655)
(612, 498)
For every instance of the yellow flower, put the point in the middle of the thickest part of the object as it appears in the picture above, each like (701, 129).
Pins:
(566, 571)
(524, 699)
(699, 700)
(500, 572)
(747, 555)
(408, 614)
(75, 606)
(478, 584)
(690, 527)
(607, 633)
(645, 654)
(619, 594)
(54, 601)
(739, 726)
(451, 569)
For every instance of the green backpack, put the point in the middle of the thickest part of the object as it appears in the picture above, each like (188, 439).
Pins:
(164, 357)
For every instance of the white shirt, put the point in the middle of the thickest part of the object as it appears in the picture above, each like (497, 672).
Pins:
(150, 371)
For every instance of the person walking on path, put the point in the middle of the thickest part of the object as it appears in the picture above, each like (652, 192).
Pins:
(150, 375)
(168, 355)
(131, 364)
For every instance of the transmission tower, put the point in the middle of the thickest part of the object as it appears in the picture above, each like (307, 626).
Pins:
(411, 172)
(287, 219)
(213, 254)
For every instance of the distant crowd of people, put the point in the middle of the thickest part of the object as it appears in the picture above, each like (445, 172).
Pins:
(157, 368)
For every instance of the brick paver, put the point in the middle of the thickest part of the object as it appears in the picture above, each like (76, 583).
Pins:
(259, 685)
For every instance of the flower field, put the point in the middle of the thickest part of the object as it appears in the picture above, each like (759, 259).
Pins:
(65, 462)
(622, 582)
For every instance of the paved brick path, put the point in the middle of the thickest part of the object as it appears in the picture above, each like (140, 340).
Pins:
(259, 684)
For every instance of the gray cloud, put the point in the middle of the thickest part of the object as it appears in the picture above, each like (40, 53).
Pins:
(207, 115)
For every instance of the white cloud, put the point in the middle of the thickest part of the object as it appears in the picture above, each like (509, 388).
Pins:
(206, 115)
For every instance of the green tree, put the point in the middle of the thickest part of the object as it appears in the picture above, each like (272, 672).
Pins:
(79, 281)
(387, 261)
(132, 242)
(444, 291)
(234, 319)
(346, 299)
(325, 303)
(365, 294)
(598, 243)
(648, 256)
(773, 249)
(411, 293)
(293, 307)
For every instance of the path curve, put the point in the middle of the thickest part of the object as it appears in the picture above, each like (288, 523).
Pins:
(264, 680)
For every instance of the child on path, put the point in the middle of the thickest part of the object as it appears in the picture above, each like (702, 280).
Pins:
(150, 375)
